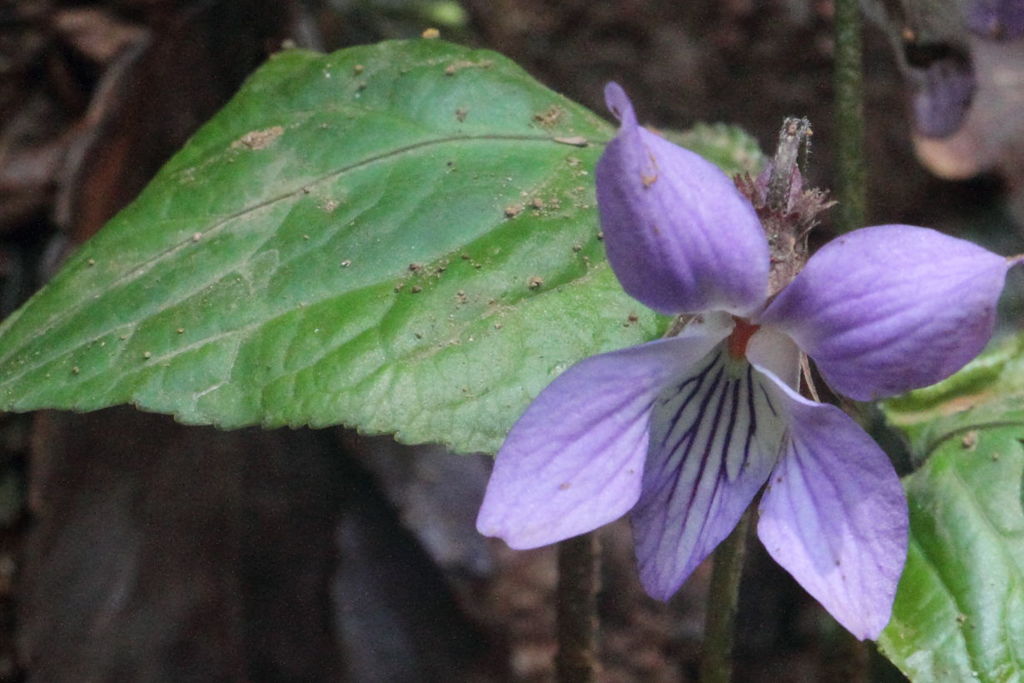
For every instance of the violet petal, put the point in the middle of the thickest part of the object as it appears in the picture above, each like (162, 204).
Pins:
(679, 235)
(574, 460)
(891, 308)
(715, 435)
(834, 515)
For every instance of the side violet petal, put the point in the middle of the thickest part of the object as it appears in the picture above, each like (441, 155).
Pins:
(679, 235)
(715, 436)
(835, 517)
(574, 460)
(891, 308)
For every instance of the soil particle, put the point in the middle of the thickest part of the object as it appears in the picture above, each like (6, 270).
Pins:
(258, 139)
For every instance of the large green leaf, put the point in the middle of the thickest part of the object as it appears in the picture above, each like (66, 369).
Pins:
(399, 237)
(959, 612)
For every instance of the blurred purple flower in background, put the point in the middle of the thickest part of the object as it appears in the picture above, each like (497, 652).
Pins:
(683, 432)
(996, 19)
(945, 49)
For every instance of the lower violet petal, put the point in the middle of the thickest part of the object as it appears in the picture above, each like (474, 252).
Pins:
(715, 435)
(834, 515)
(574, 460)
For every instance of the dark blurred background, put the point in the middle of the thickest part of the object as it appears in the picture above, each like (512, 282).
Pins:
(136, 549)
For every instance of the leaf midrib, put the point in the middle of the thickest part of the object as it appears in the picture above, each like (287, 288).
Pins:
(140, 269)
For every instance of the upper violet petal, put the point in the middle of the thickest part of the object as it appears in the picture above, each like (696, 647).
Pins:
(574, 460)
(891, 308)
(679, 235)
(835, 517)
(715, 435)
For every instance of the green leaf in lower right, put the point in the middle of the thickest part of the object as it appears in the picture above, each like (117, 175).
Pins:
(959, 612)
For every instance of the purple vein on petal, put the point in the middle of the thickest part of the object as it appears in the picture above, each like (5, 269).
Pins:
(574, 459)
(679, 457)
(695, 391)
(708, 455)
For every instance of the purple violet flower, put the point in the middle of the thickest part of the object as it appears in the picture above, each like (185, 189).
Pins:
(684, 431)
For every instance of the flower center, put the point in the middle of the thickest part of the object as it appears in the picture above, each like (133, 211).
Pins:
(741, 334)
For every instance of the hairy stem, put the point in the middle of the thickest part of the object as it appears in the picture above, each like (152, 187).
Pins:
(723, 599)
(578, 578)
(849, 94)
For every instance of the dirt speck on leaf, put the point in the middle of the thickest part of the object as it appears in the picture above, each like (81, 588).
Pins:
(258, 139)
(461, 64)
(550, 116)
(535, 282)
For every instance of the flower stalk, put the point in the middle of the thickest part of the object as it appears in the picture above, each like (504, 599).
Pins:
(576, 609)
(723, 604)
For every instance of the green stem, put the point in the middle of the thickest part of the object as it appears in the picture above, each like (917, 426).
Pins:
(849, 90)
(576, 661)
(723, 599)
(849, 103)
